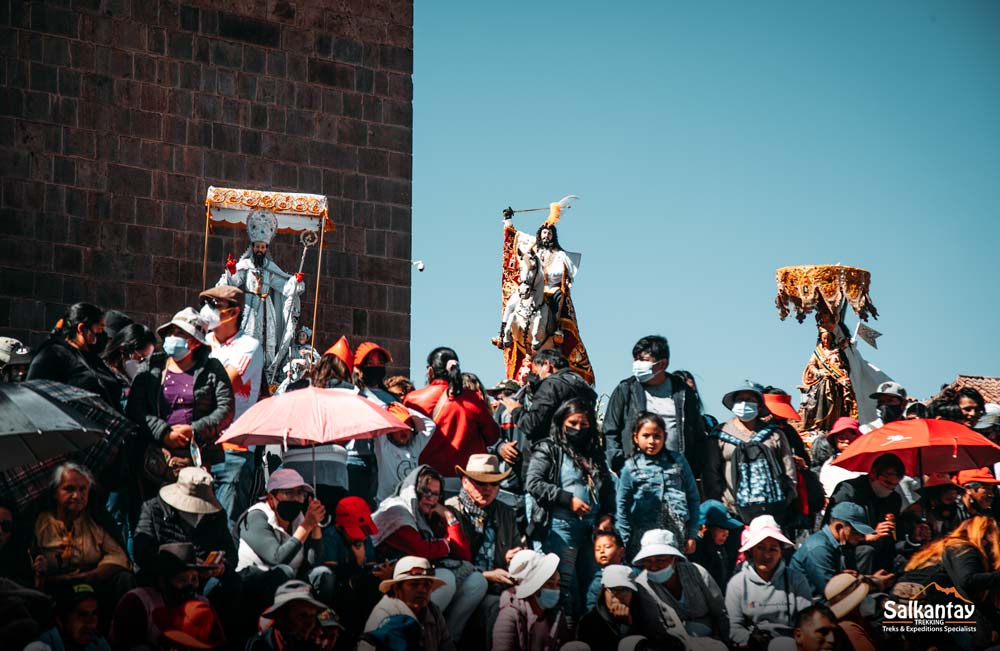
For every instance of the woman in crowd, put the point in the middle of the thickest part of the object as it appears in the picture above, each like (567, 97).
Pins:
(570, 486)
(764, 595)
(826, 449)
(72, 354)
(464, 421)
(416, 522)
(126, 352)
(183, 402)
(656, 489)
(611, 618)
(531, 618)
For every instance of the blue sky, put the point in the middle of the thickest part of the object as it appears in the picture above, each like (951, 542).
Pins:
(711, 143)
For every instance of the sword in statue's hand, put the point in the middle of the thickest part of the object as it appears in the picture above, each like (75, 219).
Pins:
(554, 208)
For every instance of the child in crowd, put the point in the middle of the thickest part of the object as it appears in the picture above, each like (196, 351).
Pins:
(609, 549)
(710, 547)
(657, 488)
(398, 453)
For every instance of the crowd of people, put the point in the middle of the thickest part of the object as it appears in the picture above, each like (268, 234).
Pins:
(509, 518)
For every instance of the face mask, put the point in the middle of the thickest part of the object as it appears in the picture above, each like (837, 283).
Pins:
(290, 510)
(745, 410)
(547, 598)
(175, 347)
(643, 371)
(258, 259)
(880, 490)
(661, 576)
(131, 368)
(889, 413)
(373, 375)
(210, 316)
(578, 437)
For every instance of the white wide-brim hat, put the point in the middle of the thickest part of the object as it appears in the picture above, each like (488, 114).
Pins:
(530, 570)
(657, 542)
(761, 528)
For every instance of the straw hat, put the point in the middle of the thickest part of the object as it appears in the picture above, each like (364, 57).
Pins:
(845, 592)
(192, 492)
(484, 468)
(411, 568)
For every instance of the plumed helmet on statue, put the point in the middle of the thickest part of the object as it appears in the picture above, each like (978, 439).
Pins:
(261, 226)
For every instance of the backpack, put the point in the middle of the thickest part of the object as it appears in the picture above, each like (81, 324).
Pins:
(758, 476)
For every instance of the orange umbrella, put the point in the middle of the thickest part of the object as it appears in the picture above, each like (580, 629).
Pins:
(922, 444)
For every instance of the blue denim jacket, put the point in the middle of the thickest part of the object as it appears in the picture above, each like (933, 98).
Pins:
(647, 488)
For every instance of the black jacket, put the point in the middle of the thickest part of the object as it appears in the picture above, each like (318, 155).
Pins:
(159, 524)
(599, 630)
(509, 534)
(544, 484)
(213, 403)
(628, 400)
(58, 361)
(554, 390)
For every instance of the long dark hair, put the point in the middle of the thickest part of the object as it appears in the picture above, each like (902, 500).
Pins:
(85, 313)
(329, 367)
(126, 341)
(589, 461)
(440, 362)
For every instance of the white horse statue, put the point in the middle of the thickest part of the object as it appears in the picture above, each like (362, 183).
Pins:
(527, 314)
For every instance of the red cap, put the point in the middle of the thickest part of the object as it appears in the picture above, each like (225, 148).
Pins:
(342, 350)
(843, 424)
(365, 348)
(355, 517)
(978, 475)
(193, 625)
(780, 405)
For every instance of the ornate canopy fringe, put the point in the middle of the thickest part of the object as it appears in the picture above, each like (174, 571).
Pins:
(808, 288)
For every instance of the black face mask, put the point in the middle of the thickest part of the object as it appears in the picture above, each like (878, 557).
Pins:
(289, 510)
(258, 259)
(532, 380)
(98, 346)
(373, 375)
(177, 596)
(889, 413)
(579, 437)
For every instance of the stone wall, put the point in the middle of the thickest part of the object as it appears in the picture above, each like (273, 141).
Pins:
(116, 116)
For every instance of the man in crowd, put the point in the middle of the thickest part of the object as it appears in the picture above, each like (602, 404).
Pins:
(76, 623)
(979, 490)
(14, 360)
(651, 388)
(294, 619)
(890, 398)
(815, 629)
(408, 594)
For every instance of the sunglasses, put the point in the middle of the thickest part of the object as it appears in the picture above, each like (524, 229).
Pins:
(217, 304)
(484, 484)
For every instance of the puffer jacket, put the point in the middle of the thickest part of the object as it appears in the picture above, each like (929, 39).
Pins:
(650, 486)
(213, 403)
(628, 400)
(544, 484)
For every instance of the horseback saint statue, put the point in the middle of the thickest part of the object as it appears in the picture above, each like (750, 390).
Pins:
(537, 310)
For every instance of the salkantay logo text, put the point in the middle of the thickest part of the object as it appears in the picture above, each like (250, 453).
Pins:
(955, 616)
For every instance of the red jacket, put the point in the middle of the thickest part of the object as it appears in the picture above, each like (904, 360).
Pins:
(465, 427)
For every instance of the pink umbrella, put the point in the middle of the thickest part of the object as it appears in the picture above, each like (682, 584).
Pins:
(311, 416)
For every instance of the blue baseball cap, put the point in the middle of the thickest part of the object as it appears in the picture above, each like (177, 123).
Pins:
(853, 515)
(714, 514)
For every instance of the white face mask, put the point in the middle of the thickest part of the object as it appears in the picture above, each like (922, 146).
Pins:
(131, 368)
(745, 410)
(210, 316)
(643, 371)
(879, 489)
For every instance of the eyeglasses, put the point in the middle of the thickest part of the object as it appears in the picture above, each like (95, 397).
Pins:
(484, 484)
(428, 493)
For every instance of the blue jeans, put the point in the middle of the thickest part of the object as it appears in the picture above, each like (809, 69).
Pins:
(570, 540)
(233, 483)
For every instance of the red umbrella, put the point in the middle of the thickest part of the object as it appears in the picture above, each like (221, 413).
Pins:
(311, 416)
(922, 444)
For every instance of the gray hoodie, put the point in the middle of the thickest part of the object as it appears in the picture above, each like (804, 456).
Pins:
(752, 602)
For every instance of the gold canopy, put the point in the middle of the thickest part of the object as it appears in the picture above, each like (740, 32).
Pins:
(807, 288)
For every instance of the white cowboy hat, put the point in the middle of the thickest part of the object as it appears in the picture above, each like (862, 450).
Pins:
(411, 568)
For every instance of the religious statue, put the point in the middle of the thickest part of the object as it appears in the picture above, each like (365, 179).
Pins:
(272, 296)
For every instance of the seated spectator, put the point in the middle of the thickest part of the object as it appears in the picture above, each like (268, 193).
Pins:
(936, 510)
(408, 594)
(193, 626)
(530, 615)
(15, 537)
(827, 448)
(611, 618)
(491, 528)
(716, 525)
(353, 554)
(24, 613)
(844, 594)
(814, 629)
(764, 595)
(415, 520)
(821, 555)
(71, 546)
(281, 539)
(609, 549)
(176, 577)
(76, 618)
(295, 620)
(677, 598)
(875, 493)
(978, 492)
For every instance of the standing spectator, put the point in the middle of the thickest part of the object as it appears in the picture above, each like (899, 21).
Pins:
(370, 362)
(243, 359)
(972, 405)
(76, 622)
(127, 352)
(295, 619)
(611, 618)
(657, 489)
(570, 486)
(15, 358)
(764, 595)
(876, 494)
(890, 401)
(555, 385)
(716, 525)
(978, 492)
(749, 464)
(827, 448)
(184, 401)
(408, 593)
(651, 388)
(72, 354)
(399, 386)
(464, 422)
(398, 453)
(530, 617)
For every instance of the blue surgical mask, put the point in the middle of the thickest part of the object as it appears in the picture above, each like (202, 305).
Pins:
(176, 347)
(643, 371)
(661, 576)
(745, 410)
(547, 598)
